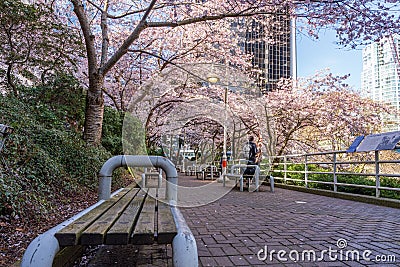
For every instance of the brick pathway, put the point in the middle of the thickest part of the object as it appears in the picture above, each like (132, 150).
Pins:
(283, 227)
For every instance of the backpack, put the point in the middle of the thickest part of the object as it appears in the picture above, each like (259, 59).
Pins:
(246, 150)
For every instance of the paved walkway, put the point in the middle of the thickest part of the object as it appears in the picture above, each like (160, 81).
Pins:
(285, 228)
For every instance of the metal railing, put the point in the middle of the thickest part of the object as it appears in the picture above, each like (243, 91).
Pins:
(339, 164)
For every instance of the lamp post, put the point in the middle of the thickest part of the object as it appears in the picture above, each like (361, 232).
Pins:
(213, 78)
(224, 157)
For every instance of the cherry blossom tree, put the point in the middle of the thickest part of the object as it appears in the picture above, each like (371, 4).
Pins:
(179, 96)
(321, 113)
(35, 44)
(112, 30)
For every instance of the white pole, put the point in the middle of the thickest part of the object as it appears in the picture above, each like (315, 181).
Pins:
(224, 157)
(224, 162)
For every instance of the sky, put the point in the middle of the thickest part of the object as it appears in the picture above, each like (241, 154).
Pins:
(314, 55)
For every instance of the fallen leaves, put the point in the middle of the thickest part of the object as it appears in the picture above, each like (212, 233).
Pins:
(16, 234)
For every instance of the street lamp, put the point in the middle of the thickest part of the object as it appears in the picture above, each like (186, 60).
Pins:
(213, 78)
(224, 157)
(228, 77)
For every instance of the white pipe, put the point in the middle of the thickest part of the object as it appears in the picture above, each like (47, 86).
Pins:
(184, 248)
(138, 161)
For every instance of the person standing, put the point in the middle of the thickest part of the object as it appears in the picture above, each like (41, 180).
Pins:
(252, 153)
(252, 147)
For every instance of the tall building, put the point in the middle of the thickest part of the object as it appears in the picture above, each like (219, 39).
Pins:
(273, 49)
(380, 77)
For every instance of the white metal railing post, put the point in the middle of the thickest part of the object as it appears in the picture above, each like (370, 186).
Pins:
(377, 177)
(144, 178)
(334, 172)
(284, 169)
(256, 178)
(305, 171)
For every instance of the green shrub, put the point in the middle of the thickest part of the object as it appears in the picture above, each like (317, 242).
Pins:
(390, 182)
(133, 136)
(112, 130)
(46, 159)
(59, 102)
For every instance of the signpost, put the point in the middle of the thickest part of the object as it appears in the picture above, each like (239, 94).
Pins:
(375, 142)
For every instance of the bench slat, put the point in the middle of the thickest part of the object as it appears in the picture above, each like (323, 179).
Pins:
(166, 228)
(131, 216)
(143, 234)
(94, 234)
(69, 235)
(120, 232)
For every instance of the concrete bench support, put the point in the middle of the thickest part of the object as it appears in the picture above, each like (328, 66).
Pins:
(184, 246)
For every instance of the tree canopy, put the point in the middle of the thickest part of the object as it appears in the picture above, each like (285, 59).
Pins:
(128, 42)
(35, 44)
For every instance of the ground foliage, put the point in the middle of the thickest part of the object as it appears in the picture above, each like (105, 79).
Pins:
(51, 173)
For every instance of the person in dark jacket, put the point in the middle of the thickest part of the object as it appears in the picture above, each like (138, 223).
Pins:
(252, 157)
(252, 151)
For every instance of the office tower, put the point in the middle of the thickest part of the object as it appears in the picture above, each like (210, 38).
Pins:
(380, 76)
(273, 48)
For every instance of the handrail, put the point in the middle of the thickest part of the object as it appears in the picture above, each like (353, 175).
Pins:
(332, 169)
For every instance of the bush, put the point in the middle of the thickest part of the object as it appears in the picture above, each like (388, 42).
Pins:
(46, 159)
(112, 130)
(59, 102)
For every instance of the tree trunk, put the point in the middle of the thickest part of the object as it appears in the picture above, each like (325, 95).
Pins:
(94, 112)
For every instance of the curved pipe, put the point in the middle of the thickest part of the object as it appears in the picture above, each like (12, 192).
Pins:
(115, 162)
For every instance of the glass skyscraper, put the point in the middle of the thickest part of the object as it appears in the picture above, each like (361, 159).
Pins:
(380, 76)
(273, 49)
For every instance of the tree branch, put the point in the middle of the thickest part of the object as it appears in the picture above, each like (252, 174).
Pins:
(161, 6)
(123, 49)
(166, 60)
(87, 34)
(209, 18)
(104, 33)
(114, 100)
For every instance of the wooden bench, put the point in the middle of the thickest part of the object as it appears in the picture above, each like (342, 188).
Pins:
(191, 170)
(199, 170)
(206, 171)
(149, 175)
(129, 216)
(236, 172)
(132, 216)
